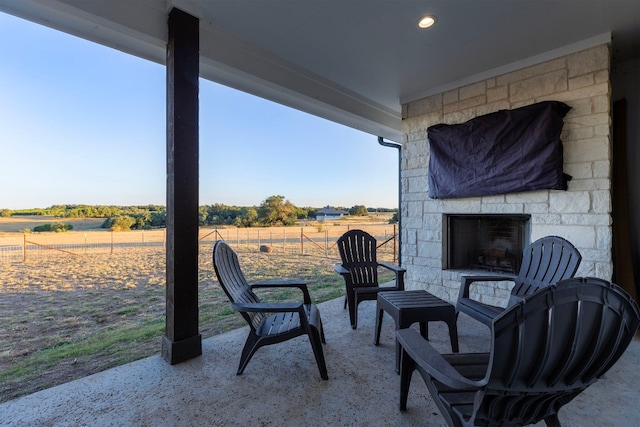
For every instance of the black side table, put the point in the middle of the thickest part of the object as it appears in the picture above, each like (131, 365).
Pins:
(409, 307)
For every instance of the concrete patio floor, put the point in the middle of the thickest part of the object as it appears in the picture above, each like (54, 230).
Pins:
(282, 386)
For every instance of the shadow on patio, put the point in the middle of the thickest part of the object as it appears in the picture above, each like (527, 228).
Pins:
(281, 385)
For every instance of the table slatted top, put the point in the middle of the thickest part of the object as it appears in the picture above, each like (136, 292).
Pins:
(411, 299)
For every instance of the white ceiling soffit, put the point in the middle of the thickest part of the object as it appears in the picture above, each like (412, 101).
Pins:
(234, 63)
(353, 62)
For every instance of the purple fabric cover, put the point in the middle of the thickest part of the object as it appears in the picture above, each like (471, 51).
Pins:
(507, 151)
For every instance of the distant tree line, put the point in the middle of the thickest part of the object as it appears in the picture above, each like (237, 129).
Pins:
(273, 211)
(86, 211)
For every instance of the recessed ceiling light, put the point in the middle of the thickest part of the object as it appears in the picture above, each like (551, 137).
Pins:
(426, 21)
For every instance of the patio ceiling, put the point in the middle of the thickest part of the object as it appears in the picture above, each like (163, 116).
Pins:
(353, 62)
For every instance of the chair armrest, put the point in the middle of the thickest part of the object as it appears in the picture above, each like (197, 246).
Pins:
(396, 269)
(292, 283)
(285, 284)
(276, 307)
(399, 271)
(468, 280)
(429, 360)
(338, 268)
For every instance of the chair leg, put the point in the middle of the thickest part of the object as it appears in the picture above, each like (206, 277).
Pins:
(407, 366)
(316, 345)
(453, 335)
(321, 327)
(424, 330)
(379, 316)
(552, 421)
(354, 324)
(250, 346)
(353, 311)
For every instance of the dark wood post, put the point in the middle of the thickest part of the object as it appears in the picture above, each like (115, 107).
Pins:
(182, 340)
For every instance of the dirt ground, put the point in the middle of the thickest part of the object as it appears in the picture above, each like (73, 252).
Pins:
(55, 302)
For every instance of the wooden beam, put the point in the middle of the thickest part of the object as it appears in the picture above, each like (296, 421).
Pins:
(182, 340)
(623, 268)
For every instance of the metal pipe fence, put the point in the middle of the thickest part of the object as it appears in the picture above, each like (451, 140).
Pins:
(319, 241)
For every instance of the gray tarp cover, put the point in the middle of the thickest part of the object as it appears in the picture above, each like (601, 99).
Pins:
(508, 151)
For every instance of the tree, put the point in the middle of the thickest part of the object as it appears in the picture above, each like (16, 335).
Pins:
(142, 220)
(203, 213)
(58, 227)
(119, 223)
(359, 210)
(159, 218)
(275, 210)
(307, 212)
(246, 217)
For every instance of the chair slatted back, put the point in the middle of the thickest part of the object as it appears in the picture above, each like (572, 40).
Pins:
(233, 282)
(545, 261)
(357, 250)
(554, 344)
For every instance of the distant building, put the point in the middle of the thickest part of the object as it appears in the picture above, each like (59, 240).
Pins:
(327, 213)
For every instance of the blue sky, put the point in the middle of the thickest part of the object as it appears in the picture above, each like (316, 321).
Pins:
(81, 123)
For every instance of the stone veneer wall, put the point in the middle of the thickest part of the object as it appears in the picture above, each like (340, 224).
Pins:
(581, 214)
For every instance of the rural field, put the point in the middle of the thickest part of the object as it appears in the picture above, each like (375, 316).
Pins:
(78, 303)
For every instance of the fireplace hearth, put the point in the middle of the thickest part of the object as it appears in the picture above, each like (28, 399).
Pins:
(485, 242)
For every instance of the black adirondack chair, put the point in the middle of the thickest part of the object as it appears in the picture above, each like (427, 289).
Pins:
(544, 262)
(359, 269)
(269, 323)
(545, 351)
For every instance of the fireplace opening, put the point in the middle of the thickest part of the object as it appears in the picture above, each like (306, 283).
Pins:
(485, 242)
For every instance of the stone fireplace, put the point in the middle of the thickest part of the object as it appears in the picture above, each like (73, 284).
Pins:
(582, 214)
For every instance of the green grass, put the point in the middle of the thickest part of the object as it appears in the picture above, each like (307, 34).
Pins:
(103, 340)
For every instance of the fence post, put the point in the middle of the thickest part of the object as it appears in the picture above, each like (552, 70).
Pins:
(85, 243)
(259, 241)
(326, 243)
(111, 242)
(301, 241)
(24, 247)
(394, 244)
